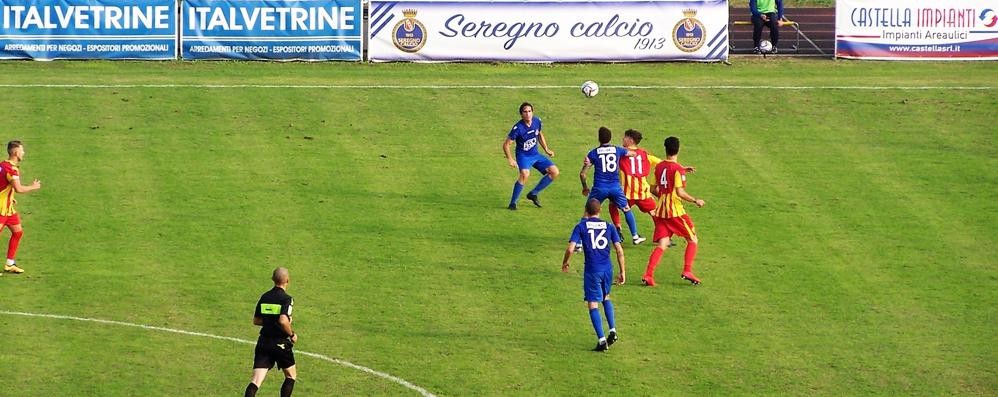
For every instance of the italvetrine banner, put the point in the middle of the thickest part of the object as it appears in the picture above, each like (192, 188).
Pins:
(272, 30)
(88, 29)
(916, 29)
(548, 31)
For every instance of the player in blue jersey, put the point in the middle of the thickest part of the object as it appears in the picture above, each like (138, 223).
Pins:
(527, 133)
(605, 159)
(595, 236)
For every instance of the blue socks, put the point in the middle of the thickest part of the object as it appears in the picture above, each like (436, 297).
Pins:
(597, 322)
(545, 181)
(631, 223)
(517, 189)
(608, 310)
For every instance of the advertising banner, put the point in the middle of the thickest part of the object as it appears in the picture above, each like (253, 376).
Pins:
(313, 30)
(916, 29)
(88, 29)
(548, 31)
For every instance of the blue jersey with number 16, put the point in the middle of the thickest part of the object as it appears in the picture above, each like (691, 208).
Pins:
(597, 238)
(606, 162)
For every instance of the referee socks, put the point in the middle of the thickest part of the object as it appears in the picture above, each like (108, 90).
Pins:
(251, 390)
(287, 387)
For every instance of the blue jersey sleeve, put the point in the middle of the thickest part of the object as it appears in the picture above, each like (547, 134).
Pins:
(540, 126)
(576, 235)
(592, 156)
(621, 153)
(513, 133)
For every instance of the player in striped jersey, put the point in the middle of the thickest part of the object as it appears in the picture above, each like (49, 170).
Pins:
(633, 177)
(10, 182)
(670, 217)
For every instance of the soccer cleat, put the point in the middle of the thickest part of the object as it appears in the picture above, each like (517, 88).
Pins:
(12, 269)
(611, 338)
(619, 233)
(533, 197)
(774, 50)
(638, 240)
(512, 207)
(672, 243)
(601, 346)
(688, 276)
(757, 50)
(648, 281)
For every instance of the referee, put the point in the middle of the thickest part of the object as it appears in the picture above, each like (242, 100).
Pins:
(273, 314)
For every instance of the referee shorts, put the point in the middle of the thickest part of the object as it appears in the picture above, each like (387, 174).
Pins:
(270, 351)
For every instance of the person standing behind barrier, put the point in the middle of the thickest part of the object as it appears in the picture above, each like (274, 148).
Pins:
(766, 13)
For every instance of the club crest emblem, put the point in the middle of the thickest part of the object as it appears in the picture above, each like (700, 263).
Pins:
(409, 34)
(689, 34)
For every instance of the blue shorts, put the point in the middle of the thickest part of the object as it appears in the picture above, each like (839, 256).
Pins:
(537, 161)
(596, 285)
(615, 195)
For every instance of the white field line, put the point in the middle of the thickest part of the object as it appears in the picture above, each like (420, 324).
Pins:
(504, 87)
(337, 361)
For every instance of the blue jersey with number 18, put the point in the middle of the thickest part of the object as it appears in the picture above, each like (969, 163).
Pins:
(606, 162)
(597, 238)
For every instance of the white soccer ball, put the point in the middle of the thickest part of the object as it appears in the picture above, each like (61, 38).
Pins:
(590, 88)
(766, 46)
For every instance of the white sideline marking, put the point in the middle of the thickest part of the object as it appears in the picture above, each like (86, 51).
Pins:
(348, 364)
(504, 87)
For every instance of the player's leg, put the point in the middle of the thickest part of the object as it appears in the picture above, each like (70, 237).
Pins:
(691, 249)
(615, 216)
(757, 24)
(660, 236)
(290, 375)
(593, 289)
(774, 29)
(263, 361)
(632, 224)
(16, 232)
(550, 171)
(611, 336)
(521, 180)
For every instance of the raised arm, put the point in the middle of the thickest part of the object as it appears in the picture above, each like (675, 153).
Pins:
(18, 187)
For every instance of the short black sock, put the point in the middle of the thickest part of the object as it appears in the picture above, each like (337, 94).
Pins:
(251, 390)
(287, 387)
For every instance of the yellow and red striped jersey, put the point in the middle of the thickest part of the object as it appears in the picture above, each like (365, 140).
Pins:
(8, 173)
(669, 174)
(634, 172)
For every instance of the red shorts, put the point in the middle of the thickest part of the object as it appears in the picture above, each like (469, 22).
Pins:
(679, 226)
(10, 220)
(646, 205)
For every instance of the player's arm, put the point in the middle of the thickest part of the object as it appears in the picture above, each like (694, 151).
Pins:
(15, 181)
(582, 176)
(285, 323)
(544, 143)
(509, 155)
(568, 256)
(620, 263)
(258, 321)
(681, 192)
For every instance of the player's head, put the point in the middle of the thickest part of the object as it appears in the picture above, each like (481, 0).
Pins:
(671, 146)
(280, 276)
(632, 137)
(526, 111)
(15, 149)
(592, 207)
(605, 135)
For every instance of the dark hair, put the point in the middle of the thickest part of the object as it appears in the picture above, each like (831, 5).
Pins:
(604, 135)
(525, 104)
(592, 207)
(635, 135)
(671, 146)
(12, 145)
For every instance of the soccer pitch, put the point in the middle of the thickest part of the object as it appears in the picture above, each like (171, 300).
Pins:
(847, 245)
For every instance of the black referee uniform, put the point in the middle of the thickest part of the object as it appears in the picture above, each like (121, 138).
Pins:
(274, 345)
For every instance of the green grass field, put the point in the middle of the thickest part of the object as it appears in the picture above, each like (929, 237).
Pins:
(847, 244)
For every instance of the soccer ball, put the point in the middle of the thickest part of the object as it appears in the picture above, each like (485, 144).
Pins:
(766, 46)
(590, 89)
